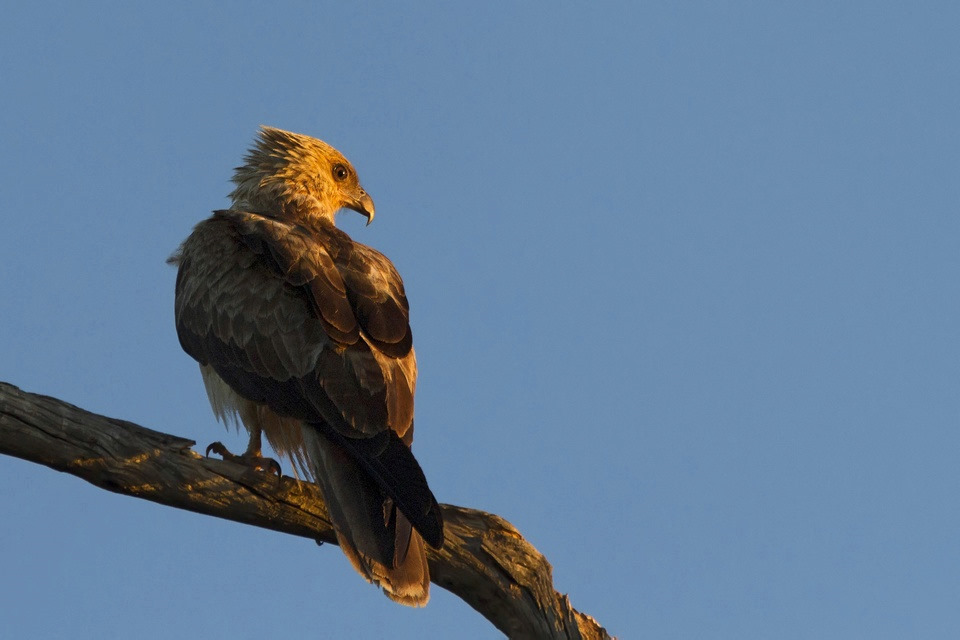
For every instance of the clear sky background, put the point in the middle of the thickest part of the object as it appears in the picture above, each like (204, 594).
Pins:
(683, 283)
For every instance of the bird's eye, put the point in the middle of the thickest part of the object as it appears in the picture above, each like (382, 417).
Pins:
(340, 172)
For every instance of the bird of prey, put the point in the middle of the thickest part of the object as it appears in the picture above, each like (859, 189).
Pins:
(303, 335)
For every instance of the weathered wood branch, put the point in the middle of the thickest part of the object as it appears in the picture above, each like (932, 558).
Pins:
(485, 561)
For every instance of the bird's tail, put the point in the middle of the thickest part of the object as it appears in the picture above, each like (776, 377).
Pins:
(375, 535)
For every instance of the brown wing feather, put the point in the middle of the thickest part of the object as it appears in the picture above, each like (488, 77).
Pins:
(374, 290)
(301, 262)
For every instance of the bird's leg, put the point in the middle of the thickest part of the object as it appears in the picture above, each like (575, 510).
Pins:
(252, 457)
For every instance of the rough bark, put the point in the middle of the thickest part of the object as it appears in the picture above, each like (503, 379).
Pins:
(484, 561)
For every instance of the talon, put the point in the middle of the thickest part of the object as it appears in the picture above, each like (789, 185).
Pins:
(252, 460)
(220, 450)
(274, 467)
(263, 464)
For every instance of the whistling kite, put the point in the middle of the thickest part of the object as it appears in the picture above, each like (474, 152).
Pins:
(304, 335)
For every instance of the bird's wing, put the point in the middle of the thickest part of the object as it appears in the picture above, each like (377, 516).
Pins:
(377, 298)
(316, 328)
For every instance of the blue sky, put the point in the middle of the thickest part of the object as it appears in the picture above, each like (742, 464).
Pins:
(683, 283)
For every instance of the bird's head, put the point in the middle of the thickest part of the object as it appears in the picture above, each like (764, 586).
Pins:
(289, 175)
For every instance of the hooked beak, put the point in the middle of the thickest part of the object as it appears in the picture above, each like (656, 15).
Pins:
(364, 205)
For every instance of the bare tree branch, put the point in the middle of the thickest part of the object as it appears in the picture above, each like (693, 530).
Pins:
(485, 561)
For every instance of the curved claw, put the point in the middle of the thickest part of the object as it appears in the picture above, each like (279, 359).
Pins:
(263, 464)
(274, 467)
(254, 461)
(217, 448)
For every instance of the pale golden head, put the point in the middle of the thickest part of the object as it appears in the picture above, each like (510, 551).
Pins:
(289, 175)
